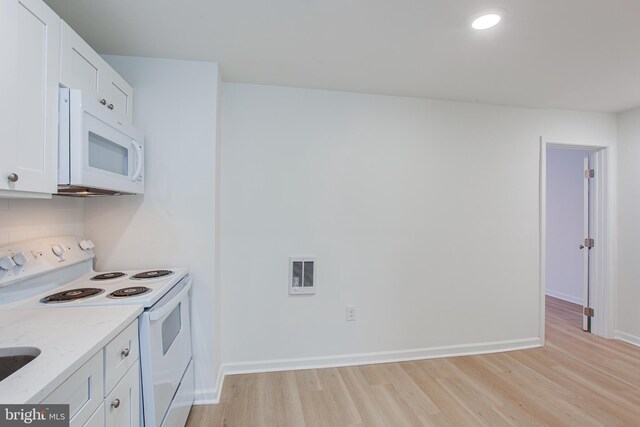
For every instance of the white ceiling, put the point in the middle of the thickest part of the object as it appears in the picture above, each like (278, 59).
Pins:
(577, 54)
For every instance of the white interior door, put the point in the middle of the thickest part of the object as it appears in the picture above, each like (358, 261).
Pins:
(585, 246)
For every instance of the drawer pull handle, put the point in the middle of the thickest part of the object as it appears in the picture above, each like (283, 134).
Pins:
(103, 101)
(12, 177)
(110, 106)
(125, 352)
(115, 403)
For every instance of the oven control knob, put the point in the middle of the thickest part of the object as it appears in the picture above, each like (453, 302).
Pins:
(85, 245)
(20, 258)
(6, 263)
(58, 250)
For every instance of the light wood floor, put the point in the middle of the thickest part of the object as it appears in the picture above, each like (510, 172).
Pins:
(577, 379)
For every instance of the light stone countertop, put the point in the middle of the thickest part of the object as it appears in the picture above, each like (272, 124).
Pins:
(67, 338)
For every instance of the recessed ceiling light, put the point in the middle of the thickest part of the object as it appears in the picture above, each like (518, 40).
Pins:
(487, 19)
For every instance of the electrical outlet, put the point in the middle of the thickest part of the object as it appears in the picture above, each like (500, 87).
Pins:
(352, 312)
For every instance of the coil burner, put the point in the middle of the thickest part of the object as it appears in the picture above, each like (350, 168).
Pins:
(108, 276)
(129, 292)
(153, 274)
(71, 295)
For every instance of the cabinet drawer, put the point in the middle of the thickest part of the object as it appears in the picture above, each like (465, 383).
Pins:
(119, 355)
(82, 391)
(97, 419)
(122, 405)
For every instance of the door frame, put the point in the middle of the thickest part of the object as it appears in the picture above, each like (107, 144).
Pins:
(603, 285)
(589, 188)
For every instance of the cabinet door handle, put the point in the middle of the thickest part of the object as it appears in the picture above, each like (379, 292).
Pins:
(110, 106)
(13, 177)
(115, 403)
(103, 101)
(125, 352)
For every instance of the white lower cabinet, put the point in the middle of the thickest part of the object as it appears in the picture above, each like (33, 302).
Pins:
(123, 403)
(92, 403)
(82, 391)
(97, 419)
(120, 355)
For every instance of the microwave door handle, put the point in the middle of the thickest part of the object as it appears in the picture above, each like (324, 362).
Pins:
(138, 160)
(168, 308)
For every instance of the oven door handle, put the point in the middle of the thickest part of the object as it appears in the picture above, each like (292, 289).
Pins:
(168, 308)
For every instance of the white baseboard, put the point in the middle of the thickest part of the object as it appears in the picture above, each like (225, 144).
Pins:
(628, 338)
(565, 297)
(210, 396)
(378, 357)
(206, 396)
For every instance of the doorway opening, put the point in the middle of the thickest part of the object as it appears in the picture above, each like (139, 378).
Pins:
(575, 234)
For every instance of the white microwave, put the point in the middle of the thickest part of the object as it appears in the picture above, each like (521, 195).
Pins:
(97, 153)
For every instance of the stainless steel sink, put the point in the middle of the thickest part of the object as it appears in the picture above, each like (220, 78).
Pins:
(14, 358)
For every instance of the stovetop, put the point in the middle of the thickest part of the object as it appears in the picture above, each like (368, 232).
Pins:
(58, 272)
(124, 288)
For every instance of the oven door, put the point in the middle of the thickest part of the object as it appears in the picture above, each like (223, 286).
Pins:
(165, 350)
(104, 153)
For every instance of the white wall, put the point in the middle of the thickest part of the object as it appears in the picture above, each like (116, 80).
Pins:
(565, 223)
(24, 219)
(422, 213)
(173, 224)
(628, 321)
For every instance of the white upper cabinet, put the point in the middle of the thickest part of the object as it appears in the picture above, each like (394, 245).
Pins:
(117, 94)
(82, 68)
(29, 76)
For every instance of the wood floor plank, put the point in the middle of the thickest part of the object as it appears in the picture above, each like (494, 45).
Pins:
(364, 397)
(325, 399)
(410, 392)
(576, 379)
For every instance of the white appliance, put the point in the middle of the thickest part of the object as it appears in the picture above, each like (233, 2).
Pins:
(97, 154)
(168, 392)
(51, 273)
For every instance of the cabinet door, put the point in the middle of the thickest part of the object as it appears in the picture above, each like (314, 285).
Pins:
(123, 403)
(8, 89)
(97, 419)
(80, 66)
(118, 94)
(31, 71)
(82, 391)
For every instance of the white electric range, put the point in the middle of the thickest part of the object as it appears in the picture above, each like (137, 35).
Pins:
(143, 287)
(57, 273)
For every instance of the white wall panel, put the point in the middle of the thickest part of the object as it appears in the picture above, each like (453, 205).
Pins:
(423, 213)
